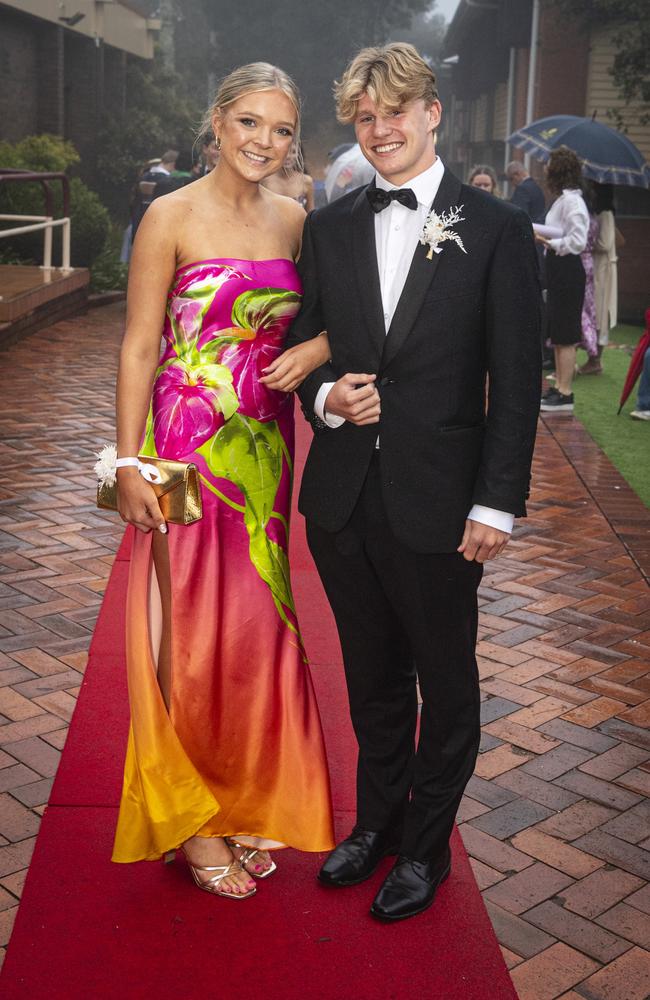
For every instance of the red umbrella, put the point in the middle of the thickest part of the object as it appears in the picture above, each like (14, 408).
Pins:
(636, 364)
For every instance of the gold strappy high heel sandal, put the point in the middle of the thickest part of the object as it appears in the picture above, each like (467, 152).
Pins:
(212, 884)
(247, 855)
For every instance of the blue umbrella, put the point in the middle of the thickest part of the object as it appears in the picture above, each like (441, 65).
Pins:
(607, 156)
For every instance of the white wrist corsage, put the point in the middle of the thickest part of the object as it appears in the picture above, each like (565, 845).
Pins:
(107, 463)
(437, 229)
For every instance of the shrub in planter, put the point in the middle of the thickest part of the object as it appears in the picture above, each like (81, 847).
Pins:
(89, 222)
(108, 273)
(39, 152)
(89, 219)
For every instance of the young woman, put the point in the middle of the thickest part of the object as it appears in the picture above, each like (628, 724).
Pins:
(485, 178)
(225, 757)
(292, 181)
(605, 256)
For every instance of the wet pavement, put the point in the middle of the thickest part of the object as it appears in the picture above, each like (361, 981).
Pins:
(556, 818)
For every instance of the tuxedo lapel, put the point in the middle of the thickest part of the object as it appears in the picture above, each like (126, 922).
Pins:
(420, 276)
(365, 263)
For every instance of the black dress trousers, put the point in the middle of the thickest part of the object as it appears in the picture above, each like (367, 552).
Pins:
(404, 616)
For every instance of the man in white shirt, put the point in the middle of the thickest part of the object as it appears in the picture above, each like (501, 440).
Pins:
(425, 287)
(167, 163)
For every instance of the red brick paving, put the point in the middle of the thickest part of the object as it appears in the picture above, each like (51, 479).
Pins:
(556, 818)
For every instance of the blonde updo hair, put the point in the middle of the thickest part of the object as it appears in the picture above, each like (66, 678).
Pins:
(391, 75)
(251, 79)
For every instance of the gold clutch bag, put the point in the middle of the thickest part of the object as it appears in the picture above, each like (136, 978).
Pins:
(178, 490)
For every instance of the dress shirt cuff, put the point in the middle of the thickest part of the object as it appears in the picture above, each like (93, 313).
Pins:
(499, 519)
(319, 407)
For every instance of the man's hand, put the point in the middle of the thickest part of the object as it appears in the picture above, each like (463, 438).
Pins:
(355, 398)
(481, 542)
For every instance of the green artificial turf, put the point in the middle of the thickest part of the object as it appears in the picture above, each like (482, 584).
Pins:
(625, 441)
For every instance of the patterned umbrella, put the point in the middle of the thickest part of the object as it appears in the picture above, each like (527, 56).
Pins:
(350, 170)
(607, 156)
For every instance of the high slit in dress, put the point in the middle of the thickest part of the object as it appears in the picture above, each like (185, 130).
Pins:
(240, 752)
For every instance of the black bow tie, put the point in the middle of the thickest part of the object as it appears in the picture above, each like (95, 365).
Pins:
(380, 199)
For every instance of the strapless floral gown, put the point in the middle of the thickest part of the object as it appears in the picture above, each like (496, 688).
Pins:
(241, 750)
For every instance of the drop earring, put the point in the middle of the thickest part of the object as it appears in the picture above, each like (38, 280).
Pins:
(218, 140)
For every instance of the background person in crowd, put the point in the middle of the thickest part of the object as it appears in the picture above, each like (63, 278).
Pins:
(605, 257)
(292, 181)
(527, 193)
(138, 203)
(642, 411)
(589, 341)
(145, 192)
(564, 235)
(167, 163)
(484, 177)
(528, 196)
(209, 153)
(177, 178)
(225, 758)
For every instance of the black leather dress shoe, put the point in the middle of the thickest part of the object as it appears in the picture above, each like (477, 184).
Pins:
(357, 857)
(410, 887)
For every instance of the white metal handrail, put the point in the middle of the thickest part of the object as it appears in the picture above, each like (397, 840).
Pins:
(45, 223)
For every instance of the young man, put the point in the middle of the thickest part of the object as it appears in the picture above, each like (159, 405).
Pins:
(409, 486)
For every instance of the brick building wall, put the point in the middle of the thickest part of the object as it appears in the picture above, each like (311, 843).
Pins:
(48, 84)
(19, 67)
(57, 81)
(81, 104)
(114, 96)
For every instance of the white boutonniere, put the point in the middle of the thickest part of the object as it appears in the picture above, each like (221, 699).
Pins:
(437, 229)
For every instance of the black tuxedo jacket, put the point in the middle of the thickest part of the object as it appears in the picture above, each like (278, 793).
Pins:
(461, 318)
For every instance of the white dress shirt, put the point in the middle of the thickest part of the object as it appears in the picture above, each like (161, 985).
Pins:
(397, 234)
(569, 214)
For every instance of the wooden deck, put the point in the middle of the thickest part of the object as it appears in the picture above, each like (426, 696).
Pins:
(34, 297)
(23, 289)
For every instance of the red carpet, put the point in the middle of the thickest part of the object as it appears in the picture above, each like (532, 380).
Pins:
(91, 930)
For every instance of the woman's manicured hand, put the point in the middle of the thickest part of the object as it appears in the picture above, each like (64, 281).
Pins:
(294, 365)
(137, 502)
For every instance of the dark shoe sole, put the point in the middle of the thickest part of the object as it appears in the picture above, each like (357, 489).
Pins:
(412, 913)
(338, 884)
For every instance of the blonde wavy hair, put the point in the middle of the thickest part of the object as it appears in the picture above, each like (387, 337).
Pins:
(251, 79)
(391, 75)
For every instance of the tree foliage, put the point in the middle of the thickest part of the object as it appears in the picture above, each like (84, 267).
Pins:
(630, 24)
(313, 42)
(427, 32)
(160, 115)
